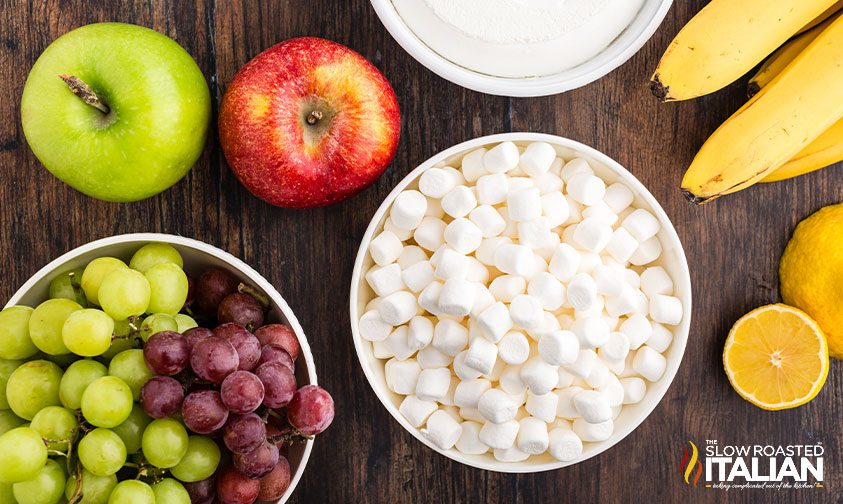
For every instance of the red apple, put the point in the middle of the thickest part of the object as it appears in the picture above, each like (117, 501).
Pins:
(308, 122)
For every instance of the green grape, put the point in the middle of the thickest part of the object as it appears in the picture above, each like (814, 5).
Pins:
(130, 367)
(7, 367)
(170, 491)
(7, 495)
(24, 454)
(15, 343)
(132, 492)
(76, 379)
(153, 254)
(102, 452)
(46, 487)
(68, 285)
(156, 323)
(32, 387)
(164, 442)
(123, 339)
(107, 402)
(58, 426)
(131, 430)
(95, 489)
(88, 332)
(200, 461)
(124, 293)
(9, 421)
(185, 322)
(95, 272)
(46, 323)
(169, 288)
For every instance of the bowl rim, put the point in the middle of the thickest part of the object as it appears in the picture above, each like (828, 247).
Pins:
(525, 86)
(229, 259)
(681, 332)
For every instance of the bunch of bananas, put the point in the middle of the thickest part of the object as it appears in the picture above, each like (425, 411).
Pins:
(793, 121)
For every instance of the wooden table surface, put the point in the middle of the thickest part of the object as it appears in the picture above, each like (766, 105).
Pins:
(733, 245)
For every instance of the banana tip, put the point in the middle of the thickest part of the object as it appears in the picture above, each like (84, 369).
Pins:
(659, 90)
(752, 89)
(693, 198)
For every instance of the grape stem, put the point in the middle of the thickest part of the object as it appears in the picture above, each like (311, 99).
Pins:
(262, 298)
(77, 491)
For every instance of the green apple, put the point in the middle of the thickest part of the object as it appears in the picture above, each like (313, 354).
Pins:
(117, 111)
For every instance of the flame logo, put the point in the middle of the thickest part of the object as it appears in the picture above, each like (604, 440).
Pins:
(689, 463)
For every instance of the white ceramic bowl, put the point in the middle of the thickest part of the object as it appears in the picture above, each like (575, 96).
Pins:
(617, 53)
(197, 257)
(672, 259)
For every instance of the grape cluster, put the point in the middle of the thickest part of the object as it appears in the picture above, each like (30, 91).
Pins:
(128, 400)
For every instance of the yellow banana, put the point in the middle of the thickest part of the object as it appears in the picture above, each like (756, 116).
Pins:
(825, 150)
(803, 101)
(822, 17)
(725, 40)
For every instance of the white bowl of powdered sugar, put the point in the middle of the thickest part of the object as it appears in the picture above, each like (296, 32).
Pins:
(521, 47)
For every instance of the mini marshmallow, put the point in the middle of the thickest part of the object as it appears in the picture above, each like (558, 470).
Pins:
(516, 183)
(613, 390)
(457, 297)
(398, 308)
(496, 372)
(501, 158)
(647, 252)
(499, 435)
(574, 167)
(431, 233)
(549, 291)
(510, 381)
(437, 182)
(588, 262)
(609, 279)
(559, 347)
(655, 281)
(487, 220)
(472, 165)
(616, 347)
(418, 276)
(402, 234)
(419, 332)
(548, 183)
(665, 309)
(408, 209)
(469, 441)
(477, 271)
(485, 253)
(442, 430)
(397, 342)
(514, 348)
(532, 436)
(373, 328)
(581, 368)
(463, 236)
(401, 376)
(622, 245)
(593, 234)
(507, 287)
(618, 197)
(385, 248)
(566, 379)
(511, 229)
(556, 166)
(452, 264)
(550, 323)
(565, 402)
(637, 330)
(535, 234)
(416, 410)
(468, 392)
(381, 350)
(481, 355)
(641, 224)
(492, 189)
(634, 389)
(497, 406)
(632, 278)
(412, 254)
(524, 204)
(539, 376)
(515, 260)
(459, 201)
(537, 158)
(449, 337)
(623, 304)
(592, 432)
(472, 415)
(431, 358)
(574, 211)
(600, 212)
(385, 280)
(661, 338)
(495, 321)
(565, 262)
(462, 371)
(564, 445)
(582, 292)
(511, 454)
(649, 363)
(452, 411)
(482, 300)
(586, 188)
(555, 208)
(542, 406)
(432, 384)
(429, 298)
(526, 311)
(593, 332)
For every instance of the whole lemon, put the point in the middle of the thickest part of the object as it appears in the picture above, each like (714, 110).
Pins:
(811, 272)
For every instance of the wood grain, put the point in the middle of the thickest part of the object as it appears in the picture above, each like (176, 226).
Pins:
(733, 245)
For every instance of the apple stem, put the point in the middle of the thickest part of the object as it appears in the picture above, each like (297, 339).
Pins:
(84, 92)
(314, 117)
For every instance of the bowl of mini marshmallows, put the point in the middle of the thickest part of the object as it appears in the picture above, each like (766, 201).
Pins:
(520, 302)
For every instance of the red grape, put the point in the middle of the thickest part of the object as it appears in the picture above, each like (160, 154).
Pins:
(201, 492)
(166, 353)
(311, 410)
(274, 484)
(258, 462)
(196, 334)
(273, 433)
(213, 359)
(247, 345)
(280, 334)
(161, 396)
(212, 287)
(275, 353)
(242, 309)
(235, 488)
(242, 392)
(244, 433)
(203, 411)
(279, 384)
